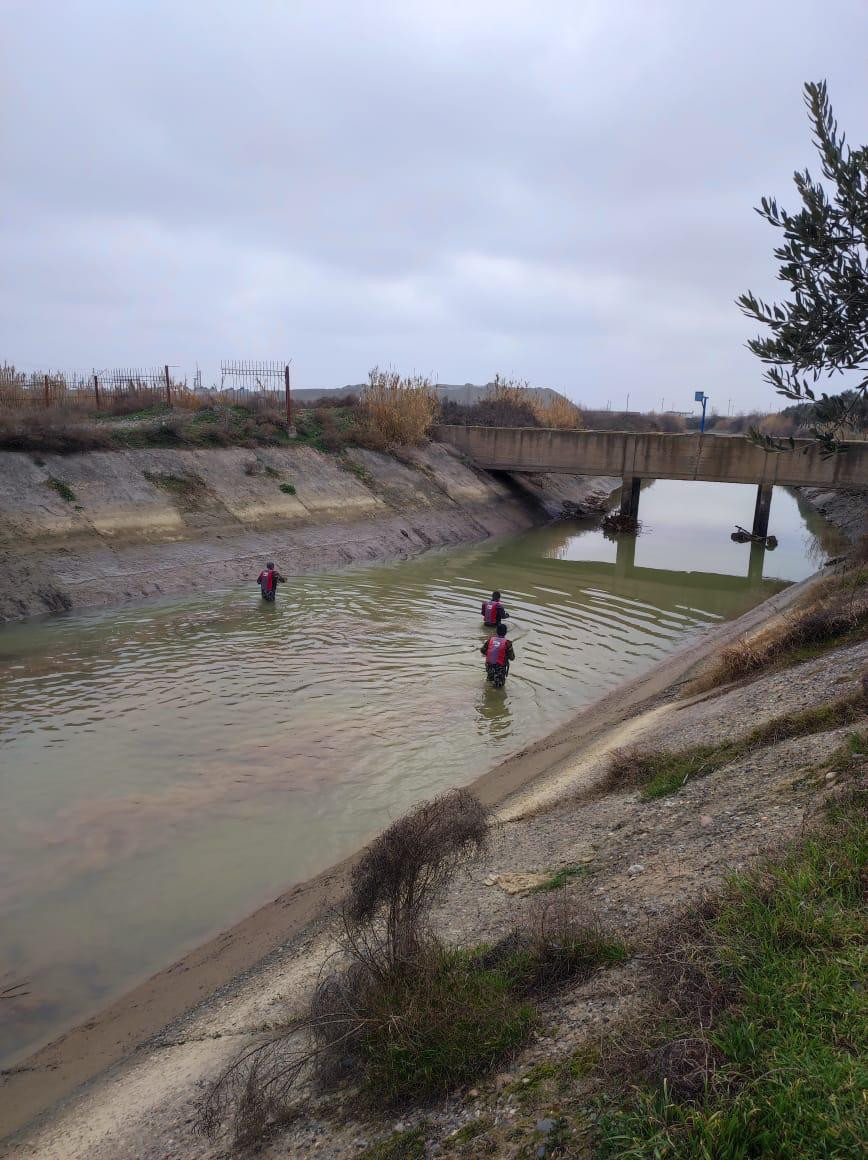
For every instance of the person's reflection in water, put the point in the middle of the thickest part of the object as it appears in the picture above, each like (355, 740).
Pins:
(493, 715)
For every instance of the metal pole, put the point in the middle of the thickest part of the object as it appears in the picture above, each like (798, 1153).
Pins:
(168, 386)
(702, 423)
(288, 399)
(96, 389)
(45, 389)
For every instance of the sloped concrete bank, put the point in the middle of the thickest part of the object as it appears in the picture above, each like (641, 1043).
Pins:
(104, 527)
(846, 509)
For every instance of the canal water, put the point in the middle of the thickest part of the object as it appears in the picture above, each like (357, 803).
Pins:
(167, 767)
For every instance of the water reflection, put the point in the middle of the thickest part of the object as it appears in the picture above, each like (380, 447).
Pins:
(166, 767)
(494, 716)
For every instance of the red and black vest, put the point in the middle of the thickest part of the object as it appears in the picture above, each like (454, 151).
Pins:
(496, 651)
(266, 580)
(490, 609)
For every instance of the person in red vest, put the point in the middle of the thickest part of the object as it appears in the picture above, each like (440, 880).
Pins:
(493, 611)
(498, 652)
(268, 580)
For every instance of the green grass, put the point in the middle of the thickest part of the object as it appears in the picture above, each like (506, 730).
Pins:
(560, 878)
(788, 942)
(441, 1028)
(181, 485)
(472, 1131)
(62, 489)
(661, 772)
(287, 488)
(408, 1145)
(361, 473)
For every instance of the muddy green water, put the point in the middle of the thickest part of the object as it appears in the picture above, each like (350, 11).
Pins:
(167, 767)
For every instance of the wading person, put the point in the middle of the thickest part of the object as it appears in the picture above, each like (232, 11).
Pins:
(493, 612)
(498, 652)
(268, 580)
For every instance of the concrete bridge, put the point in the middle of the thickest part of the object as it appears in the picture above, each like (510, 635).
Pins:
(654, 455)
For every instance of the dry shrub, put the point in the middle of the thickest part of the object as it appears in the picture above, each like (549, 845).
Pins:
(628, 768)
(402, 873)
(53, 431)
(401, 410)
(512, 397)
(820, 623)
(559, 413)
(781, 426)
(398, 1012)
(669, 424)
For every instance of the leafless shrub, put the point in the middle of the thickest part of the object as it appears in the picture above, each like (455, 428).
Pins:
(253, 467)
(391, 968)
(403, 872)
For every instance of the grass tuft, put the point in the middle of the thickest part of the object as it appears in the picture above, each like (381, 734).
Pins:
(287, 488)
(659, 772)
(407, 1145)
(62, 489)
(561, 878)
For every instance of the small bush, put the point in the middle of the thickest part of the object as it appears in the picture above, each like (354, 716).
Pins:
(287, 488)
(253, 467)
(62, 489)
(437, 1026)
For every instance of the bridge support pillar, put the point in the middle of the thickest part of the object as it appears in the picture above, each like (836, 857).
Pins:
(755, 563)
(625, 556)
(761, 511)
(630, 486)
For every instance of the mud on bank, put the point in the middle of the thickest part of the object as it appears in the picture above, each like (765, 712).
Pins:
(101, 528)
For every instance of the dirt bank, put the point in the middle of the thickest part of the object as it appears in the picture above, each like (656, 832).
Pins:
(100, 528)
(137, 1108)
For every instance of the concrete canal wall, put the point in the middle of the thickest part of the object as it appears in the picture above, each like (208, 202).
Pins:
(103, 527)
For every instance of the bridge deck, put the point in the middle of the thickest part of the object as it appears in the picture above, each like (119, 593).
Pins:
(654, 455)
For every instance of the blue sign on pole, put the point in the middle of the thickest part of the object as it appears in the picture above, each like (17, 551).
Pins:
(701, 397)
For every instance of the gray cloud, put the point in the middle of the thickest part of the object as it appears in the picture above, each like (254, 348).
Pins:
(559, 190)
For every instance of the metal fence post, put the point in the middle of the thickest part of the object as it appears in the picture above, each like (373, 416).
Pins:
(96, 389)
(45, 389)
(288, 399)
(168, 387)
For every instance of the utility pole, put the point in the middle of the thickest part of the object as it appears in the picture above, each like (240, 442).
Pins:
(168, 386)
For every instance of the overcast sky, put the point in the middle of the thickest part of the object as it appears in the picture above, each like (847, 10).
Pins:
(561, 191)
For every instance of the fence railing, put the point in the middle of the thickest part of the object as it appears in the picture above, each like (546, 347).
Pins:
(254, 384)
